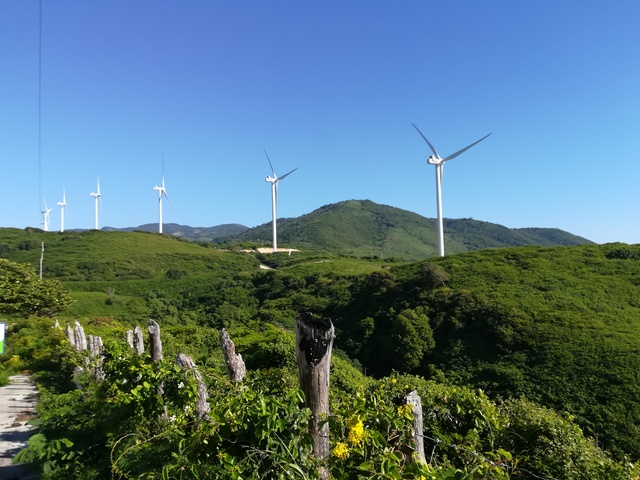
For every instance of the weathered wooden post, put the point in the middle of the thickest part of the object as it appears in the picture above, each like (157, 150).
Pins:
(314, 341)
(235, 365)
(70, 335)
(95, 346)
(202, 407)
(138, 342)
(154, 340)
(95, 351)
(129, 337)
(155, 345)
(79, 336)
(413, 399)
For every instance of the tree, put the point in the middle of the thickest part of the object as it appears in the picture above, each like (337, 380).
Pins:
(23, 293)
(411, 337)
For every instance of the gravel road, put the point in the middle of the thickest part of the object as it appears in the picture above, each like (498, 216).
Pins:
(17, 407)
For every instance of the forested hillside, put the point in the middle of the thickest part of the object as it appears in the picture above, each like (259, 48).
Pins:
(558, 325)
(365, 228)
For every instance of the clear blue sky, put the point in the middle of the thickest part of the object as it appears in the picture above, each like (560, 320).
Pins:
(330, 87)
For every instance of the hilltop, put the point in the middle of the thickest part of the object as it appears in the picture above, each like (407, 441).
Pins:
(365, 228)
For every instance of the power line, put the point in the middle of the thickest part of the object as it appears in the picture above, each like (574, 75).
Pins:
(39, 109)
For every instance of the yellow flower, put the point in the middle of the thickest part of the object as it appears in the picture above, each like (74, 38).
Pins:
(340, 451)
(405, 410)
(393, 380)
(356, 431)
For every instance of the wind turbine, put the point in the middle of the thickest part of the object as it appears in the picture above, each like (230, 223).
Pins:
(161, 192)
(274, 197)
(45, 217)
(97, 197)
(63, 206)
(439, 162)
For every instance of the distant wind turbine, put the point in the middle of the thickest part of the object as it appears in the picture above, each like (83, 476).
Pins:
(161, 192)
(97, 196)
(439, 162)
(63, 206)
(45, 217)
(274, 198)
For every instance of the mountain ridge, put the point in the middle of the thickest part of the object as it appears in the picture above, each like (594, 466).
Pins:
(365, 228)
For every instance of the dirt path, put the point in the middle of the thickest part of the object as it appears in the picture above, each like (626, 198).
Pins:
(17, 407)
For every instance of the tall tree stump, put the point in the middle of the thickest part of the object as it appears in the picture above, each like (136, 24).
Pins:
(70, 335)
(233, 361)
(79, 337)
(129, 337)
(314, 341)
(138, 342)
(414, 400)
(154, 340)
(202, 407)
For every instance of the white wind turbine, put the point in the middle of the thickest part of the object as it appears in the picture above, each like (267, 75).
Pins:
(161, 192)
(97, 197)
(439, 162)
(274, 198)
(63, 206)
(45, 217)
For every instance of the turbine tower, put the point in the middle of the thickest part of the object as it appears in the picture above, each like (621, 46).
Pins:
(45, 217)
(63, 206)
(97, 197)
(439, 162)
(161, 192)
(274, 198)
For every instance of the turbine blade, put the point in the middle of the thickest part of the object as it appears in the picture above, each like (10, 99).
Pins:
(272, 170)
(288, 173)
(428, 142)
(451, 157)
(167, 197)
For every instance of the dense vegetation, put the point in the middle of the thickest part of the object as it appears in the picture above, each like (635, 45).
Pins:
(557, 326)
(121, 426)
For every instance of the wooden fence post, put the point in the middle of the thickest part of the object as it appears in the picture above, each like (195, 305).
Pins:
(202, 407)
(154, 340)
(79, 336)
(314, 341)
(129, 338)
(138, 342)
(95, 346)
(70, 335)
(95, 350)
(413, 399)
(235, 365)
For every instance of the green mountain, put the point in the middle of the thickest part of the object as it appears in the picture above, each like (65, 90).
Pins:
(203, 234)
(364, 228)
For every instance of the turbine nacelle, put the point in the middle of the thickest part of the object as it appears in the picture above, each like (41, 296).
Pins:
(434, 161)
